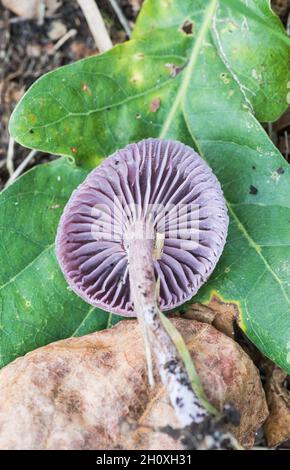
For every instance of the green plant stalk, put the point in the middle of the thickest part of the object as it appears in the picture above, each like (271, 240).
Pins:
(182, 349)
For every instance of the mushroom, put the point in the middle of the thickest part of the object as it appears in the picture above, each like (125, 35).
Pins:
(141, 235)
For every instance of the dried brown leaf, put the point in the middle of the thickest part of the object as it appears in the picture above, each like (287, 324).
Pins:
(200, 313)
(277, 426)
(226, 314)
(280, 6)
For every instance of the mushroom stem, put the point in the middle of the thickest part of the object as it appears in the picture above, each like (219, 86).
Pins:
(140, 248)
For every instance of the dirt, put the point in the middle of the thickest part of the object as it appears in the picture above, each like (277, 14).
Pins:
(27, 51)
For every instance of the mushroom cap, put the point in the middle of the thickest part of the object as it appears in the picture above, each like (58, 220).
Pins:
(165, 182)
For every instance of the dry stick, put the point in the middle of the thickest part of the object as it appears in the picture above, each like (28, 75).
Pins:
(286, 145)
(70, 34)
(21, 167)
(10, 155)
(40, 13)
(121, 17)
(96, 24)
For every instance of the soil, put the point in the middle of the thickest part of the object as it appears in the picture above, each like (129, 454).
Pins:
(27, 52)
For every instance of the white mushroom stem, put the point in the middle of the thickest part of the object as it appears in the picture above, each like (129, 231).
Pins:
(140, 248)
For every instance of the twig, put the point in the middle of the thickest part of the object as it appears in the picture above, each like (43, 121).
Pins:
(121, 17)
(270, 130)
(96, 24)
(288, 25)
(286, 145)
(71, 33)
(40, 13)
(21, 167)
(10, 156)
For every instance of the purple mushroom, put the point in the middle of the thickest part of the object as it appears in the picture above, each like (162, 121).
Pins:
(151, 214)
(164, 186)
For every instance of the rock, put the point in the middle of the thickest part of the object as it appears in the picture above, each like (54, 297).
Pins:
(76, 393)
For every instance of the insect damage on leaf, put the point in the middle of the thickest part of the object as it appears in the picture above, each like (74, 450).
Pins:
(187, 27)
(253, 190)
(174, 69)
(154, 105)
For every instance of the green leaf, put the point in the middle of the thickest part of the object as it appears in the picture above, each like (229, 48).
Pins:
(254, 55)
(95, 106)
(256, 12)
(36, 306)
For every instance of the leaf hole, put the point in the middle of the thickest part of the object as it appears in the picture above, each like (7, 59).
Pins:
(280, 170)
(187, 27)
(253, 190)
